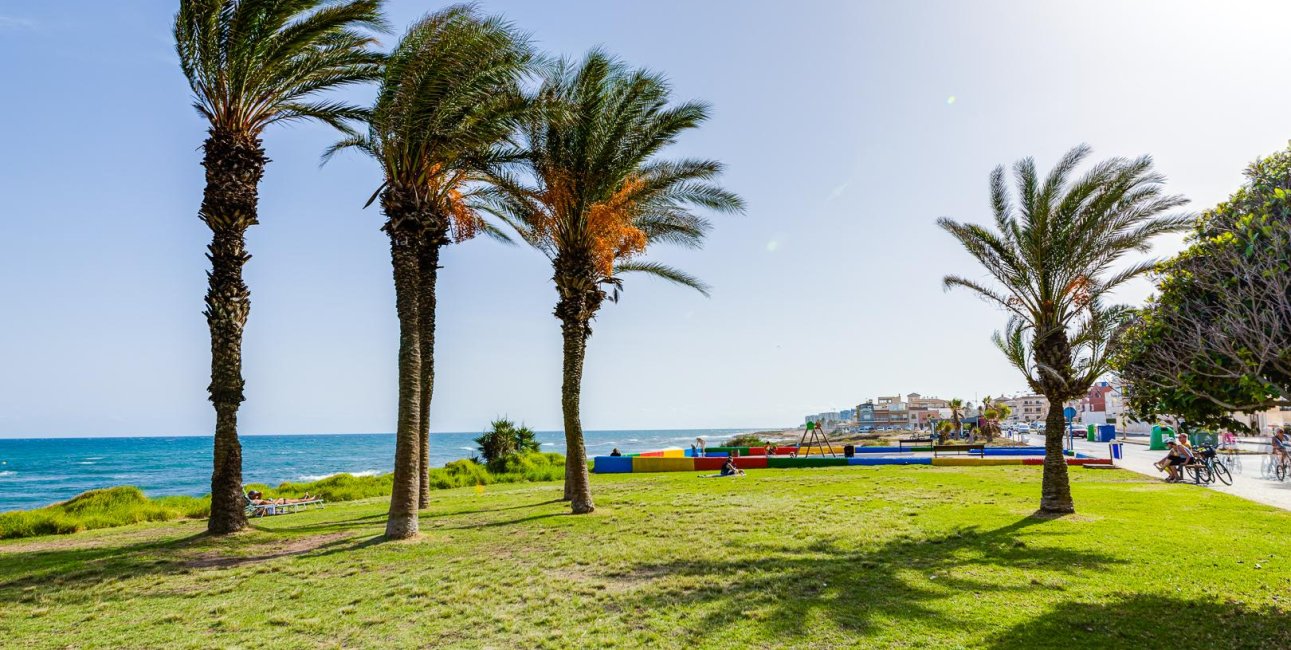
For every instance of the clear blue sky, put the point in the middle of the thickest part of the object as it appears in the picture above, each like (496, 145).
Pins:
(836, 120)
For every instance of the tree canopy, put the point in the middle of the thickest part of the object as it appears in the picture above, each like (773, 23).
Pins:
(1216, 339)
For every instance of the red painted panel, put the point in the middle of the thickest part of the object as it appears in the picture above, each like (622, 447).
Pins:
(743, 462)
(709, 463)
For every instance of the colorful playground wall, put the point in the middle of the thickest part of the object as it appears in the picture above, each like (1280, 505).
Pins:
(678, 460)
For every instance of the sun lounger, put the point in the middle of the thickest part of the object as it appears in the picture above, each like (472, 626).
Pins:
(268, 508)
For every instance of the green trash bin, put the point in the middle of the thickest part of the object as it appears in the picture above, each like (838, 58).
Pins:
(1091, 433)
(1159, 434)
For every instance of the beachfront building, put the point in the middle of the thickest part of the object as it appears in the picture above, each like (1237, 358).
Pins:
(911, 411)
(885, 411)
(1027, 408)
(922, 409)
(1103, 404)
(827, 417)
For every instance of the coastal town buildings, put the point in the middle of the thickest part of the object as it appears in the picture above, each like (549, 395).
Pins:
(1027, 408)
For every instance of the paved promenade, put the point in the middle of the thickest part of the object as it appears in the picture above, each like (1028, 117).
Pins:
(1247, 483)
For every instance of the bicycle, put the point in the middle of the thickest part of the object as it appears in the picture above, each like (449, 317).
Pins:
(1232, 457)
(1216, 465)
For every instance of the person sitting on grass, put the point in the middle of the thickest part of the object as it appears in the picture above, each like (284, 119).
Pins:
(729, 468)
(616, 452)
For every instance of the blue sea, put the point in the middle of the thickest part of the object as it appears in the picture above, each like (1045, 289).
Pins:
(38, 472)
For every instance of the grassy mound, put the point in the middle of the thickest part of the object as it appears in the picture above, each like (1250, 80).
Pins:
(120, 506)
(116, 506)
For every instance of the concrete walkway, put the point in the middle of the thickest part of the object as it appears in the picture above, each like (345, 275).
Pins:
(1247, 482)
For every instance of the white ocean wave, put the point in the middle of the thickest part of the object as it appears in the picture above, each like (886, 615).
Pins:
(8, 473)
(86, 462)
(467, 448)
(310, 478)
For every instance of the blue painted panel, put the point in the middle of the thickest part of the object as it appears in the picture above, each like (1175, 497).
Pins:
(889, 461)
(880, 450)
(612, 465)
(1015, 451)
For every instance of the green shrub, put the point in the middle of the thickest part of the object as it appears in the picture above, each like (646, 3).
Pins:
(533, 466)
(338, 487)
(747, 440)
(116, 506)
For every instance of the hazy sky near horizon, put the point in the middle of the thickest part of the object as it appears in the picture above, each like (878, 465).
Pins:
(848, 127)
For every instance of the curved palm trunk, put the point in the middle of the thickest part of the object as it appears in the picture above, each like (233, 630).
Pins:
(234, 165)
(1055, 493)
(578, 488)
(428, 271)
(402, 522)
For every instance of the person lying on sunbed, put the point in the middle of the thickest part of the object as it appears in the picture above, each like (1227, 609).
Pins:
(258, 500)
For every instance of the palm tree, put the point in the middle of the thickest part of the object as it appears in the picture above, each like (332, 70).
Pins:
(1053, 255)
(993, 413)
(956, 407)
(595, 197)
(251, 64)
(448, 97)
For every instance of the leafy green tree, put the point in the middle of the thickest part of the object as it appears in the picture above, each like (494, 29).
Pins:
(1216, 339)
(1054, 254)
(252, 64)
(448, 98)
(595, 196)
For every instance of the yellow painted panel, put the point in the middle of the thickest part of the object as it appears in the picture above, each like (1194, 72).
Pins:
(656, 464)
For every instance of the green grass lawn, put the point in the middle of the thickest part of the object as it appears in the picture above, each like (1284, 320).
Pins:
(838, 557)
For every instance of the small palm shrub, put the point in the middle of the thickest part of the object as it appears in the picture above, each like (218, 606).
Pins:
(505, 438)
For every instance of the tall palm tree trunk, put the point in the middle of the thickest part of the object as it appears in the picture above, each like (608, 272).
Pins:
(1055, 493)
(1053, 350)
(402, 522)
(234, 165)
(575, 279)
(428, 272)
(578, 488)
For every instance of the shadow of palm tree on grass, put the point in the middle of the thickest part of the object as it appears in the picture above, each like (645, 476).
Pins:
(855, 588)
(1151, 621)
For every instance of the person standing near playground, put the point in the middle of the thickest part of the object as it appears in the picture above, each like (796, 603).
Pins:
(699, 444)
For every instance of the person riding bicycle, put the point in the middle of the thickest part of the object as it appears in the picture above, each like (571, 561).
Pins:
(1281, 445)
(1228, 441)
